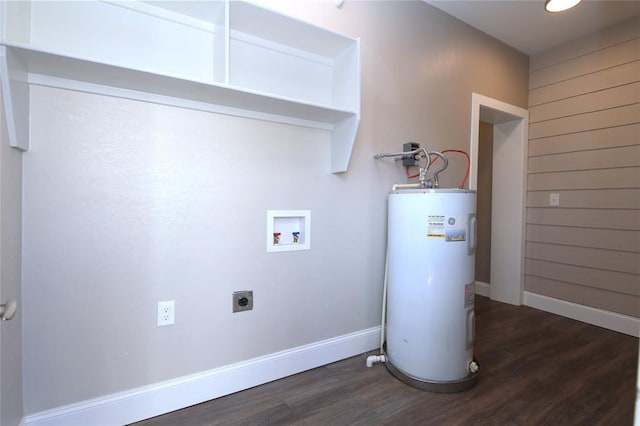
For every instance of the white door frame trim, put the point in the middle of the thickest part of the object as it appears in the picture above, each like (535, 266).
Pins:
(511, 126)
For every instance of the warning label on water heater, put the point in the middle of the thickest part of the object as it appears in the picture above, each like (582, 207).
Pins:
(435, 226)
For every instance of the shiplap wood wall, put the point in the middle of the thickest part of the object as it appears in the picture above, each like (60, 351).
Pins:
(584, 144)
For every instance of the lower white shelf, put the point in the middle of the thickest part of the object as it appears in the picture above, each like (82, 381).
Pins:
(21, 66)
(288, 230)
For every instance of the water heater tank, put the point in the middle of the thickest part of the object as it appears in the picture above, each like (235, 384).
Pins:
(430, 324)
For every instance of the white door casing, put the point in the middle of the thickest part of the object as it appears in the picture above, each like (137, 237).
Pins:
(510, 140)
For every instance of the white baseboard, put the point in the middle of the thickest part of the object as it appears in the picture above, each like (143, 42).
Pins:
(482, 289)
(606, 319)
(153, 400)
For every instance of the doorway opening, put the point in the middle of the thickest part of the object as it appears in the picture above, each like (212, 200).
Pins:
(483, 205)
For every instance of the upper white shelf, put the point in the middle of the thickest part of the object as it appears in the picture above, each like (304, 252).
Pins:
(230, 57)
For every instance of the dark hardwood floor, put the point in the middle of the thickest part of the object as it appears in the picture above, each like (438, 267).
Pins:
(536, 369)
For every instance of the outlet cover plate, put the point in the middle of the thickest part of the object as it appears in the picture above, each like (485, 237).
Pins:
(242, 301)
(166, 313)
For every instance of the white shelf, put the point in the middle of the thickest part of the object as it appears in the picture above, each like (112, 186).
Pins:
(242, 60)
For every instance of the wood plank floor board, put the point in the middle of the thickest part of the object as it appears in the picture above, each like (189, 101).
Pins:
(536, 369)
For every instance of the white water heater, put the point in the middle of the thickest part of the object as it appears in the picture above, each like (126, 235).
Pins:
(430, 321)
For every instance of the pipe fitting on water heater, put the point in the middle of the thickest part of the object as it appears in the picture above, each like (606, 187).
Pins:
(417, 154)
(374, 359)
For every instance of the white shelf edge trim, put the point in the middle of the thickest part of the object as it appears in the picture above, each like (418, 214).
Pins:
(168, 15)
(606, 319)
(100, 89)
(149, 401)
(247, 38)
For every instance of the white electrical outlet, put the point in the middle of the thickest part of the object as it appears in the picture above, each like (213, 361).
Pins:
(166, 313)
(554, 199)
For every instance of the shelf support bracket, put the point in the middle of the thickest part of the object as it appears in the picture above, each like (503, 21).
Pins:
(343, 137)
(15, 98)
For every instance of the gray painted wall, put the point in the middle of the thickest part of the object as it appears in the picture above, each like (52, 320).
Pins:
(584, 144)
(128, 203)
(10, 277)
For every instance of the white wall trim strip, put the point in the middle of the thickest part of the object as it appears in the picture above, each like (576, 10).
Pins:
(606, 319)
(153, 400)
(482, 289)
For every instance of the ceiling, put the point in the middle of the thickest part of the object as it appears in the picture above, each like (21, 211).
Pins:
(525, 25)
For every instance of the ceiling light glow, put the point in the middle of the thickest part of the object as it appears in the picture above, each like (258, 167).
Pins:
(560, 5)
